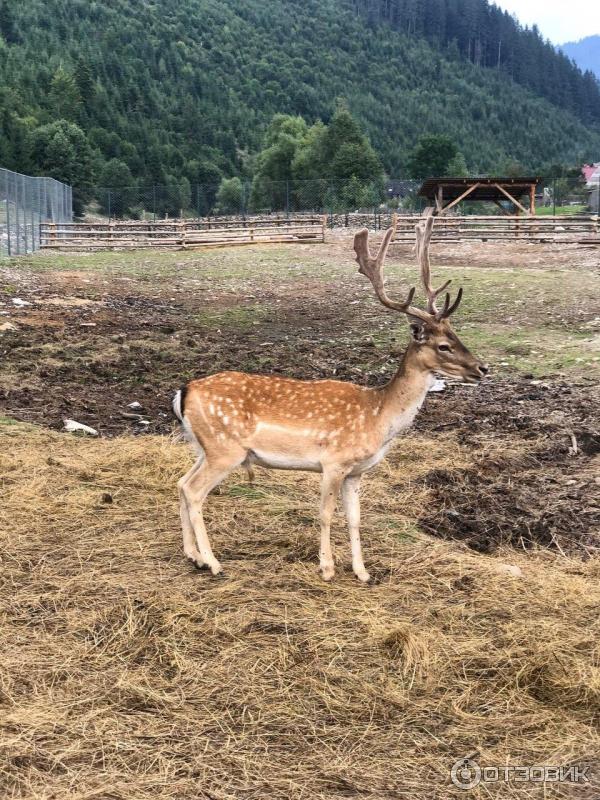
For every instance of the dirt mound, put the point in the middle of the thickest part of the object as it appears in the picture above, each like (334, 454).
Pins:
(523, 500)
(534, 475)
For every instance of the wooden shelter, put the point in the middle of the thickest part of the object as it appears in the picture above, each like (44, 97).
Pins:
(445, 193)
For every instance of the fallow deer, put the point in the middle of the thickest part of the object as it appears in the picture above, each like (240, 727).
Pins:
(336, 428)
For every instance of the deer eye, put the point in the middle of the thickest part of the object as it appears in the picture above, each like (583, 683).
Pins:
(444, 348)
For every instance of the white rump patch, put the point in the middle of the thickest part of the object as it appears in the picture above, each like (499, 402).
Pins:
(177, 405)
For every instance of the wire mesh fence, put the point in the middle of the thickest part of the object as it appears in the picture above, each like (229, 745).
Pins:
(569, 195)
(26, 202)
(239, 198)
(340, 200)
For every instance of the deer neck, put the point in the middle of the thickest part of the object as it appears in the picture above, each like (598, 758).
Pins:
(404, 395)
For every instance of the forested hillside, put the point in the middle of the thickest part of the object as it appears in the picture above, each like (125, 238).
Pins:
(585, 53)
(483, 34)
(186, 88)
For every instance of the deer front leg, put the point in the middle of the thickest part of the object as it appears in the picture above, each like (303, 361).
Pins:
(330, 489)
(351, 500)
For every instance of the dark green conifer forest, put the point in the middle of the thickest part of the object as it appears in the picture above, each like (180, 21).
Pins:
(182, 92)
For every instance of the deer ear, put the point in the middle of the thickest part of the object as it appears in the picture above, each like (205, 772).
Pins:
(418, 331)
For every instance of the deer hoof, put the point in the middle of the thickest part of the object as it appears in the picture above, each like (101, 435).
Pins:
(363, 576)
(199, 565)
(327, 573)
(217, 570)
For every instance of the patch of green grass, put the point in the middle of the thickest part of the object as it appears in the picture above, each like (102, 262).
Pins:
(248, 491)
(221, 264)
(548, 211)
(404, 530)
(535, 350)
(494, 293)
(238, 317)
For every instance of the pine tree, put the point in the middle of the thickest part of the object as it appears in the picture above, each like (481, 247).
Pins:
(84, 81)
(64, 97)
(118, 188)
(8, 28)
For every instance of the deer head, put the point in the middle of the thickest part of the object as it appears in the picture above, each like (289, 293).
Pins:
(435, 345)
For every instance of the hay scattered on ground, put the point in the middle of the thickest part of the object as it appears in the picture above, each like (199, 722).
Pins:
(126, 674)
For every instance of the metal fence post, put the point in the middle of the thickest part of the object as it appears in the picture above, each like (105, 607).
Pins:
(31, 210)
(154, 202)
(17, 217)
(8, 236)
(108, 203)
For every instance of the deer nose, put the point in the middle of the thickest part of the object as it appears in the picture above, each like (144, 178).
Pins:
(483, 369)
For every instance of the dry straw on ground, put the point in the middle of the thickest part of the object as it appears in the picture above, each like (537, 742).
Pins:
(125, 674)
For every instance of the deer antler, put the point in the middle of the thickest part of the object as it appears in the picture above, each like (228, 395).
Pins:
(372, 268)
(423, 233)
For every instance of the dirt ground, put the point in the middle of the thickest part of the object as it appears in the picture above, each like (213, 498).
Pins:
(127, 675)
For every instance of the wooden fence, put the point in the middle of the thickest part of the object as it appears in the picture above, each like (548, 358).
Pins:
(180, 234)
(565, 229)
(191, 234)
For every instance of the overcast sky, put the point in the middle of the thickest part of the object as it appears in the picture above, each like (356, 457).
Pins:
(558, 20)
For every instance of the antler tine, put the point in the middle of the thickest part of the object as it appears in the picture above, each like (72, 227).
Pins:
(452, 308)
(423, 233)
(372, 268)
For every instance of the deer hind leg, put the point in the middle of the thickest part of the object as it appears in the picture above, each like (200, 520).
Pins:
(330, 490)
(351, 501)
(209, 474)
(189, 539)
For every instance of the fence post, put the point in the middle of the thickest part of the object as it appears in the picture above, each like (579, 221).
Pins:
(554, 197)
(108, 205)
(154, 202)
(24, 198)
(8, 237)
(287, 199)
(32, 223)
(17, 220)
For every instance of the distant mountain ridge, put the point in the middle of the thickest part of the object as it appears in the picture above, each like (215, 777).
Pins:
(585, 53)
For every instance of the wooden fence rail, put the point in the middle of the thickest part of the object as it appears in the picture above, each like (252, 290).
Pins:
(180, 234)
(184, 234)
(564, 228)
